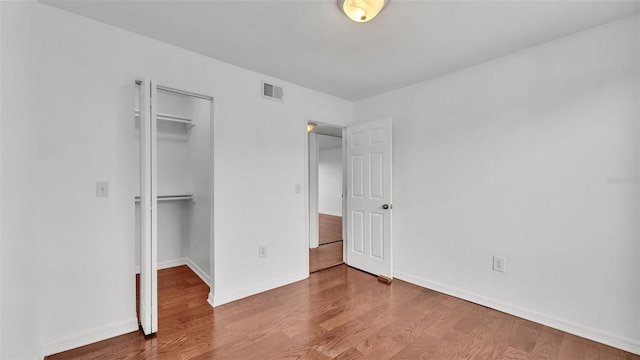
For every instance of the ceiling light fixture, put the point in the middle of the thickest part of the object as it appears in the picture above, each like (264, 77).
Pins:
(361, 10)
(310, 127)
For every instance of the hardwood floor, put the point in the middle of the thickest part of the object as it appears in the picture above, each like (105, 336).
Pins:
(325, 256)
(329, 228)
(338, 313)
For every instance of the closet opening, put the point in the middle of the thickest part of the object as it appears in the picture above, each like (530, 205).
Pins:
(174, 197)
(326, 201)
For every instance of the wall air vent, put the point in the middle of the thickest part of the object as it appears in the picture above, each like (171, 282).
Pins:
(271, 91)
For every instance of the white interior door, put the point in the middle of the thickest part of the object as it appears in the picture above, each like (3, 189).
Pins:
(148, 205)
(369, 197)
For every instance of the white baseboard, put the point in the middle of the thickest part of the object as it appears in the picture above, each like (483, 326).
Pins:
(217, 300)
(167, 264)
(116, 329)
(171, 263)
(606, 338)
(196, 269)
(90, 336)
(179, 262)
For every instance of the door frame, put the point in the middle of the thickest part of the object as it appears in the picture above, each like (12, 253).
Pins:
(307, 189)
(345, 235)
(155, 86)
(314, 186)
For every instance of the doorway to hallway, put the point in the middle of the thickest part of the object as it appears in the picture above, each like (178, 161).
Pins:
(326, 180)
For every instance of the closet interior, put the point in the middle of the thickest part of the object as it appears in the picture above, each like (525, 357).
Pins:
(182, 178)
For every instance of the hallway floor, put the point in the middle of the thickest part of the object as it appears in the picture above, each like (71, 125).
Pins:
(325, 256)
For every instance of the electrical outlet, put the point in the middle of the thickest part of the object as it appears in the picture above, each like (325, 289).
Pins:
(499, 264)
(262, 251)
(102, 188)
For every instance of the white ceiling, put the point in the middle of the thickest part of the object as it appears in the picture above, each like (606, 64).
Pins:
(311, 43)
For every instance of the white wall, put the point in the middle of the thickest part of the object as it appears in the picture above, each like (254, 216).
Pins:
(20, 268)
(72, 253)
(1, 337)
(1, 165)
(519, 157)
(330, 180)
(198, 215)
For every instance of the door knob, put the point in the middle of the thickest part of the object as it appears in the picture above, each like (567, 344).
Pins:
(385, 206)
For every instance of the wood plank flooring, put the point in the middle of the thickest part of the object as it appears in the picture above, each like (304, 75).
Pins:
(338, 313)
(329, 228)
(325, 256)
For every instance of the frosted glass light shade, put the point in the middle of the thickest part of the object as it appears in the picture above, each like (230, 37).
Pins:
(361, 10)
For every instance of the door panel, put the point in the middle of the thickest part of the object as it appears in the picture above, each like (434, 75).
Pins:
(377, 240)
(357, 231)
(357, 171)
(368, 191)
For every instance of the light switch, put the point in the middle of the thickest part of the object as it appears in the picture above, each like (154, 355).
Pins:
(102, 188)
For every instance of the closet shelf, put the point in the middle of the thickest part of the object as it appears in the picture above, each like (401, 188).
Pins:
(171, 197)
(170, 117)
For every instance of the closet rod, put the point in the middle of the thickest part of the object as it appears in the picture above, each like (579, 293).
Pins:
(170, 197)
(180, 92)
(169, 117)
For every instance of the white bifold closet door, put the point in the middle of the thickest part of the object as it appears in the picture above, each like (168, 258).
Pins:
(148, 209)
(176, 189)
